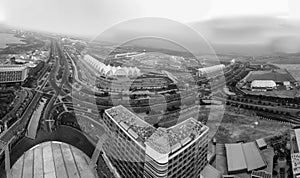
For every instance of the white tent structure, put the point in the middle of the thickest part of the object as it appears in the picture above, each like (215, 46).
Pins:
(108, 70)
(262, 84)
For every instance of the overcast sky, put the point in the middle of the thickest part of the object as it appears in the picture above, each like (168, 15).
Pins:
(93, 16)
(220, 21)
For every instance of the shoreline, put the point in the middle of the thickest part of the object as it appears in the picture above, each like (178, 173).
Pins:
(25, 44)
(22, 41)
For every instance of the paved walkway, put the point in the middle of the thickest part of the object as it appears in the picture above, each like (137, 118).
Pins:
(55, 160)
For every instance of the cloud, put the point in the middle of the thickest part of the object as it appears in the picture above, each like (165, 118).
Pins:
(251, 34)
(240, 30)
(86, 17)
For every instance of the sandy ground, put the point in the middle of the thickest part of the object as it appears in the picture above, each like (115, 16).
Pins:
(237, 127)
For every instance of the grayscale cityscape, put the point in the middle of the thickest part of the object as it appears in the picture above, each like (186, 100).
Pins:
(149, 89)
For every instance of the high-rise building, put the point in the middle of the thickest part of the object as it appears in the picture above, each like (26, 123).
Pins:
(137, 149)
(13, 73)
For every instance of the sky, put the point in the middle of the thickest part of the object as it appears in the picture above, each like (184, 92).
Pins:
(94, 16)
(220, 21)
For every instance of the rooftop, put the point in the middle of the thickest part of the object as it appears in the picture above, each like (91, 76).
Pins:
(263, 83)
(235, 157)
(11, 67)
(173, 138)
(136, 127)
(242, 157)
(161, 140)
(253, 157)
(209, 172)
(53, 159)
(261, 143)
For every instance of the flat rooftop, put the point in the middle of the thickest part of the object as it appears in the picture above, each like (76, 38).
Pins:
(162, 140)
(53, 160)
(261, 143)
(12, 67)
(136, 127)
(235, 157)
(243, 157)
(172, 139)
(210, 172)
(253, 157)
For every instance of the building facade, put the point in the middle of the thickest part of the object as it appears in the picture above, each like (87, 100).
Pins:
(137, 149)
(295, 153)
(13, 73)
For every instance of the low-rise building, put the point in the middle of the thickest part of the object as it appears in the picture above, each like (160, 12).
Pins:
(243, 157)
(261, 143)
(13, 73)
(262, 85)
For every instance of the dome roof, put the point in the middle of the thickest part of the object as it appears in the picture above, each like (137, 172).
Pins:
(53, 159)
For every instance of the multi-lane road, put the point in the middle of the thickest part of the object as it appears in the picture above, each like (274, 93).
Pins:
(21, 123)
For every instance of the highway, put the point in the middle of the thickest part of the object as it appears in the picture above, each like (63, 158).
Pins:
(53, 82)
(33, 124)
(22, 122)
(13, 133)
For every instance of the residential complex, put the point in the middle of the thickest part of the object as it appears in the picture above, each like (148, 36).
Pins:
(137, 149)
